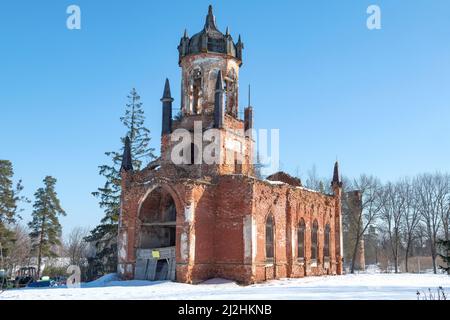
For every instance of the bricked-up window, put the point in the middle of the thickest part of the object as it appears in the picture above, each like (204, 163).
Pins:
(269, 238)
(301, 240)
(314, 241)
(326, 244)
(237, 163)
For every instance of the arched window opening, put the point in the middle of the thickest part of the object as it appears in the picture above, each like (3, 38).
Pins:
(238, 158)
(301, 241)
(231, 93)
(170, 216)
(169, 211)
(326, 244)
(196, 87)
(314, 242)
(269, 239)
(157, 221)
(237, 163)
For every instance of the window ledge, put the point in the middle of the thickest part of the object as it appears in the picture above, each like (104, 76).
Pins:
(270, 262)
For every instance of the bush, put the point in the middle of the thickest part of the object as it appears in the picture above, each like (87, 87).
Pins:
(439, 295)
(54, 272)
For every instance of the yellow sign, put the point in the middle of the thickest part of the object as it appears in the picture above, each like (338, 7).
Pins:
(155, 254)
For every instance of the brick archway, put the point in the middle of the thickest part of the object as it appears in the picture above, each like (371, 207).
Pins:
(156, 240)
(167, 188)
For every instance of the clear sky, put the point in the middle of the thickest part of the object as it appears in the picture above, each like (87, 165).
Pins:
(378, 100)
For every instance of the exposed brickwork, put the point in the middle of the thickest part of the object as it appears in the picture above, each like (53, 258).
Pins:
(286, 178)
(222, 209)
(222, 226)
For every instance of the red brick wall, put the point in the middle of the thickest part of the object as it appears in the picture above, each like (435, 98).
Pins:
(213, 239)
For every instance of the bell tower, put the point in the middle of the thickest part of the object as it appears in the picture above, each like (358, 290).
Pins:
(210, 63)
(201, 57)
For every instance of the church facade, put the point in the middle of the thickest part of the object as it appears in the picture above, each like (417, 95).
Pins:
(196, 220)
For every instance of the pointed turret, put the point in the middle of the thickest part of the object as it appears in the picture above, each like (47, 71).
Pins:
(336, 182)
(239, 42)
(218, 102)
(127, 164)
(210, 23)
(248, 115)
(239, 48)
(336, 185)
(166, 109)
(219, 82)
(230, 48)
(166, 93)
(183, 47)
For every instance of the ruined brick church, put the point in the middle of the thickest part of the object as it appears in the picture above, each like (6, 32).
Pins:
(193, 221)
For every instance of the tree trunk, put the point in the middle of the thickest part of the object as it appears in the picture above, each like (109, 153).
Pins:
(355, 250)
(39, 262)
(41, 240)
(433, 257)
(447, 250)
(406, 258)
(396, 260)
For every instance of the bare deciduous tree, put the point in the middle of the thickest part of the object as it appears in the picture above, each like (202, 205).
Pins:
(76, 246)
(432, 195)
(369, 188)
(411, 217)
(20, 253)
(393, 209)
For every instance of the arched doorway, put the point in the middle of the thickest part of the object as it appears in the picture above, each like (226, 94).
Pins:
(155, 254)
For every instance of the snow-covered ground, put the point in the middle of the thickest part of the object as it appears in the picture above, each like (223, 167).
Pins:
(359, 286)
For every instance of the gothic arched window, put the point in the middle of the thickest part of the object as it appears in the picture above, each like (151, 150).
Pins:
(326, 243)
(269, 238)
(301, 240)
(231, 93)
(196, 88)
(314, 241)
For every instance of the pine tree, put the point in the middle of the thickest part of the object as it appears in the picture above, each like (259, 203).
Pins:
(9, 204)
(45, 227)
(445, 254)
(104, 236)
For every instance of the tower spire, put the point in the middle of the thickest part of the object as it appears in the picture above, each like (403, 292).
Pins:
(166, 94)
(210, 23)
(166, 109)
(219, 81)
(336, 177)
(248, 115)
(218, 102)
(127, 163)
(239, 48)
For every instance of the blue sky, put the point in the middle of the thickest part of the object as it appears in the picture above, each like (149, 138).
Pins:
(378, 100)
